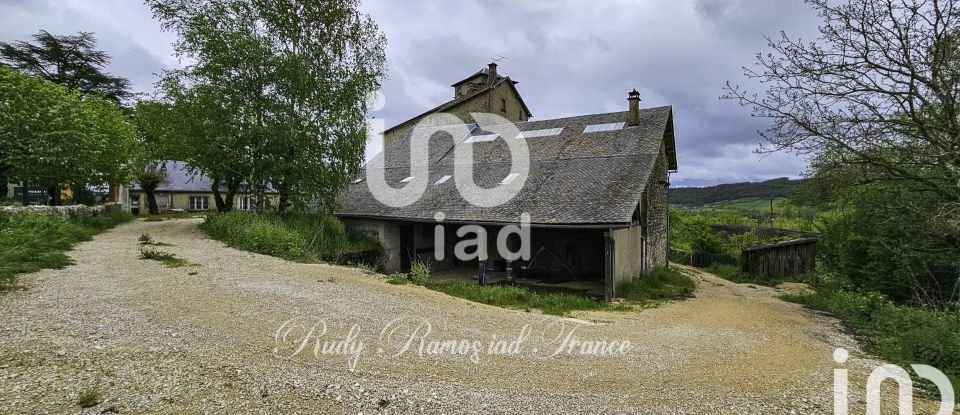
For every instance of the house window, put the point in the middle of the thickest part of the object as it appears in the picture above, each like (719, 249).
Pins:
(199, 202)
(243, 202)
(503, 104)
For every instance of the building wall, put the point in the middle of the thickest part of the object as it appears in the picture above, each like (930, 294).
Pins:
(181, 200)
(480, 103)
(657, 214)
(385, 232)
(8, 190)
(628, 253)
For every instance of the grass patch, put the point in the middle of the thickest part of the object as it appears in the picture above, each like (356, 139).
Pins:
(729, 273)
(30, 242)
(900, 334)
(510, 296)
(734, 274)
(168, 259)
(146, 239)
(88, 398)
(662, 284)
(398, 279)
(293, 236)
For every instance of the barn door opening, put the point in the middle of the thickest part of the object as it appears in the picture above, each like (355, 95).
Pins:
(407, 248)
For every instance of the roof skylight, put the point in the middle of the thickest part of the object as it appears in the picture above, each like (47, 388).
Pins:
(509, 178)
(443, 179)
(481, 138)
(595, 128)
(409, 178)
(546, 132)
(358, 180)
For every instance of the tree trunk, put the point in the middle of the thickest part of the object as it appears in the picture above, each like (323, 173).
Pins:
(284, 202)
(152, 207)
(232, 189)
(217, 197)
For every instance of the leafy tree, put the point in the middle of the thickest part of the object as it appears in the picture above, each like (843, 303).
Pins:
(51, 134)
(150, 178)
(73, 61)
(876, 101)
(292, 77)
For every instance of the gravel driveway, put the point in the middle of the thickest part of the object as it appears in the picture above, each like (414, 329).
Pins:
(203, 339)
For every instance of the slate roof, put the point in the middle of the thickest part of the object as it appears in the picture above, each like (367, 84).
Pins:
(180, 179)
(575, 178)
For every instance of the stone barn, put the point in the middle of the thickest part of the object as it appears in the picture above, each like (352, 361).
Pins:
(596, 196)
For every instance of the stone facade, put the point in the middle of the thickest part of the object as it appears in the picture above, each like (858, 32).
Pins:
(657, 214)
(474, 94)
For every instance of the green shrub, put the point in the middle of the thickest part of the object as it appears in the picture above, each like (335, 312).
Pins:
(88, 398)
(30, 242)
(661, 284)
(419, 273)
(901, 334)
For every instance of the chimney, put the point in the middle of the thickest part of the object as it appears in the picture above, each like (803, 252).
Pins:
(492, 73)
(633, 118)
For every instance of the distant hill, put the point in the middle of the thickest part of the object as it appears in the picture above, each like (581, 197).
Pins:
(700, 196)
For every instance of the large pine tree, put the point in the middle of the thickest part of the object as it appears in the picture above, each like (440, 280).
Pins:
(70, 60)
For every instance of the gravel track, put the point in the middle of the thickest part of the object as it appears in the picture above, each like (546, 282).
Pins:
(202, 339)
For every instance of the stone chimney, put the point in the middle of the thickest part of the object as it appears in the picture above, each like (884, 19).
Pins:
(633, 118)
(491, 73)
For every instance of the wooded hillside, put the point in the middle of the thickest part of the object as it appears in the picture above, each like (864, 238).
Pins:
(699, 196)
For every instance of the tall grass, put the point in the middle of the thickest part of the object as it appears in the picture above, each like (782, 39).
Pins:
(30, 242)
(294, 236)
(510, 296)
(903, 335)
(662, 284)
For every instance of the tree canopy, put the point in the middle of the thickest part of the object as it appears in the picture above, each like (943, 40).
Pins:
(277, 92)
(52, 134)
(70, 60)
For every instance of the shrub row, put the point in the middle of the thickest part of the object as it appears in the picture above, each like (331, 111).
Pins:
(293, 236)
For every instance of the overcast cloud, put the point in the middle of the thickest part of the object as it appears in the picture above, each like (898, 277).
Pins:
(571, 57)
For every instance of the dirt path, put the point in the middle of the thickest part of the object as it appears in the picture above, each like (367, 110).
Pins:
(201, 338)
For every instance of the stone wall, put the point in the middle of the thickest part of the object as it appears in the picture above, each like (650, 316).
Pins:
(490, 102)
(71, 211)
(658, 214)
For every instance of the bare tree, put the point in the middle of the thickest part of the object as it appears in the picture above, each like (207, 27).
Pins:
(875, 100)
(879, 88)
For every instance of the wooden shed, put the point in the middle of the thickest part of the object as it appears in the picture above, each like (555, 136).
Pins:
(781, 259)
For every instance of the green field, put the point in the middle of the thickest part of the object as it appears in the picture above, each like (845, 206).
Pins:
(745, 203)
(748, 203)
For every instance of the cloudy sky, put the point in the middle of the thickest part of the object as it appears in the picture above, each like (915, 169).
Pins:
(571, 57)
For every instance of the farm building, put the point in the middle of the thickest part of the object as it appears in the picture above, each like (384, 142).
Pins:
(596, 196)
